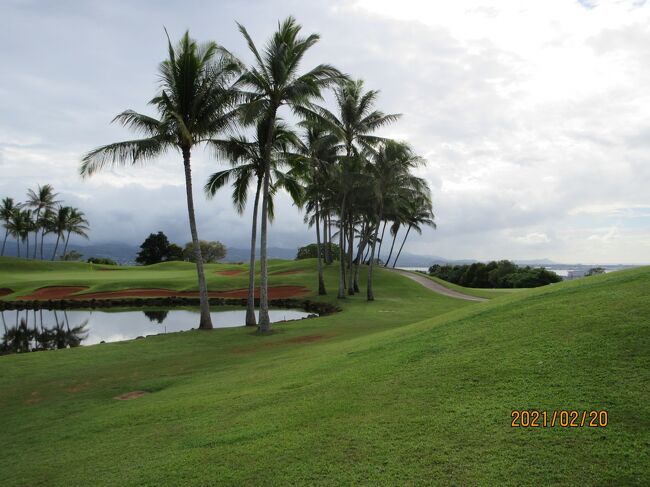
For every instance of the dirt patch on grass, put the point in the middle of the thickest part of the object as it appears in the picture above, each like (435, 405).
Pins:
(35, 398)
(287, 273)
(130, 395)
(54, 292)
(229, 273)
(68, 292)
(5, 291)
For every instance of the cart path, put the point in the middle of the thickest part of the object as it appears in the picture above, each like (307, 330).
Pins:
(435, 287)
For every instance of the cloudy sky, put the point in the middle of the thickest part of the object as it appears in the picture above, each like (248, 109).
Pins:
(534, 116)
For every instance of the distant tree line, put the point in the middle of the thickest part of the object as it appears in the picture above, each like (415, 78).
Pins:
(42, 214)
(328, 252)
(501, 274)
(157, 248)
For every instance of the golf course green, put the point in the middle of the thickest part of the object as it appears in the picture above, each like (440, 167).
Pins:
(413, 388)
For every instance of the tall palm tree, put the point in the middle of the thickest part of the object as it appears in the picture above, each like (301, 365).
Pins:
(391, 178)
(7, 211)
(274, 81)
(318, 154)
(76, 224)
(419, 212)
(246, 157)
(19, 226)
(45, 223)
(59, 224)
(194, 105)
(354, 124)
(41, 199)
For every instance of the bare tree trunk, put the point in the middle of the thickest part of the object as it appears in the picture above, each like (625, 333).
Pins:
(359, 260)
(370, 290)
(36, 232)
(205, 322)
(321, 280)
(350, 264)
(42, 238)
(328, 248)
(381, 239)
(264, 322)
(391, 248)
(250, 304)
(402, 246)
(5, 241)
(341, 293)
(65, 247)
(329, 238)
(27, 251)
(18, 246)
(56, 246)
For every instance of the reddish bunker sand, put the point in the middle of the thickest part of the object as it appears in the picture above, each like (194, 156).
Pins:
(130, 395)
(230, 273)
(4, 291)
(68, 292)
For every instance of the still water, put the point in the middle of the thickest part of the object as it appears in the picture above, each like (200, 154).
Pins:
(28, 330)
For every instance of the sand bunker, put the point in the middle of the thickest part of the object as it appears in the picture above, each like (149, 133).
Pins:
(68, 292)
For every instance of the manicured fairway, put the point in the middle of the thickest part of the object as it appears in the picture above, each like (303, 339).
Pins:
(414, 388)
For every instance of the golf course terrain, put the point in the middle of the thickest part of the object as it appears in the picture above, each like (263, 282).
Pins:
(414, 388)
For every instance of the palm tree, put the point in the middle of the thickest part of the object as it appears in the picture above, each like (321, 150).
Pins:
(318, 152)
(59, 225)
(390, 171)
(41, 199)
(75, 224)
(19, 226)
(274, 81)
(419, 212)
(45, 223)
(354, 124)
(194, 105)
(7, 211)
(247, 159)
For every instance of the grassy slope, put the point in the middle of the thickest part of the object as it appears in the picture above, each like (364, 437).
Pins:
(473, 291)
(377, 400)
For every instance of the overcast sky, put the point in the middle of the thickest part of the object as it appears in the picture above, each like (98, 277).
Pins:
(534, 116)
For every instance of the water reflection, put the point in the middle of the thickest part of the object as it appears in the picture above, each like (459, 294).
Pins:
(30, 330)
(156, 316)
(41, 334)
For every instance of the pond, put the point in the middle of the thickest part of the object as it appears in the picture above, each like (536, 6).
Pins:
(29, 330)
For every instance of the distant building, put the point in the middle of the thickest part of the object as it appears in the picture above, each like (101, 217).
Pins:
(576, 273)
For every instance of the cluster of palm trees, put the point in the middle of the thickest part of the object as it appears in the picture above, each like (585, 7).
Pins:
(39, 216)
(349, 180)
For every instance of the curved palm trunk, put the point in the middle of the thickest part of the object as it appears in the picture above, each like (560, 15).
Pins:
(56, 246)
(205, 322)
(341, 293)
(359, 259)
(321, 280)
(370, 290)
(250, 304)
(381, 239)
(265, 322)
(329, 239)
(391, 249)
(18, 246)
(401, 246)
(4, 243)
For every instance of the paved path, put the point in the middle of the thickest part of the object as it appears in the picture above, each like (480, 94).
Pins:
(435, 287)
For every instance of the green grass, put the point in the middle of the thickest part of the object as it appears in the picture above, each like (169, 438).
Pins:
(414, 388)
(473, 291)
